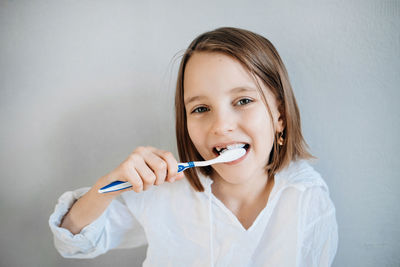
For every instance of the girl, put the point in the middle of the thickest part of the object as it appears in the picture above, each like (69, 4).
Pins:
(267, 208)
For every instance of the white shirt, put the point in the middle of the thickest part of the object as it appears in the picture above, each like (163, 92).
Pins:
(183, 227)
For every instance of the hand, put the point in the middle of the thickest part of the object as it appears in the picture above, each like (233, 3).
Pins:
(145, 167)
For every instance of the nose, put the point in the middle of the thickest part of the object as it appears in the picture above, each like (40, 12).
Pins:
(223, 123)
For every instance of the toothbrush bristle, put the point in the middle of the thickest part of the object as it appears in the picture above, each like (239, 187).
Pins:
(232, 154)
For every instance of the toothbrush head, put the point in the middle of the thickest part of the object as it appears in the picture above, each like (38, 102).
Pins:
(231, 155)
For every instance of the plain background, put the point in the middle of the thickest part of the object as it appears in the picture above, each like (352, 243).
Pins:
(82, 83)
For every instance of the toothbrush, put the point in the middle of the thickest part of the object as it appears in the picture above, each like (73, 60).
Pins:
(226, 156)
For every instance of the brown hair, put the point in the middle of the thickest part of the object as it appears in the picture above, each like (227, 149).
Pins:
(262, 60)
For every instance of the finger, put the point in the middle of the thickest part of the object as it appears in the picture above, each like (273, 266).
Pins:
(180, 176)
(136, 181)
(177, 177)
(158, 165)
(146, 174)
(172, 164)
(127, 172)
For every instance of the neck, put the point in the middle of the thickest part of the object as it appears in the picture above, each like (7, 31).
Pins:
(237, 196)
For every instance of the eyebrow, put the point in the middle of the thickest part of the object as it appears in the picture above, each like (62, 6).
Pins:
(233, 90)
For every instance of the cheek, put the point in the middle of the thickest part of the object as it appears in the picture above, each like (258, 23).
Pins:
(261, 128)
(195, 133)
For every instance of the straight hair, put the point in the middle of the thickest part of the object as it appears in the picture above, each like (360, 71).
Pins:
(260, 58)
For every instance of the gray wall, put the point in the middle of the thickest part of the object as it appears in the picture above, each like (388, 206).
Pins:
(82, 83)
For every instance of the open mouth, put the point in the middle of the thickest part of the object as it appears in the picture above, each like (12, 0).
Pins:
(218, 150)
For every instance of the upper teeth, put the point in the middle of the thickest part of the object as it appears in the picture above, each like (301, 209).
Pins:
(221, 149)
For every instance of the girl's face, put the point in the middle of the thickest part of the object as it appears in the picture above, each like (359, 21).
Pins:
(223, 107)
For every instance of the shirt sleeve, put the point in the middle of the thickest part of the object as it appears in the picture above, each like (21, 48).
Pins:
(318, 229)
(115, 228)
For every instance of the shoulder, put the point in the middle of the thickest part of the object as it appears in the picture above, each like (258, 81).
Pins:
(301, 175)
(313, 192)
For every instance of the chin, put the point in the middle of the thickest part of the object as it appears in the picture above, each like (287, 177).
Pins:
(233, 175)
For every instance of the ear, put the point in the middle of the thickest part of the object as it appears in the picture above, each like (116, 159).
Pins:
(280, 125)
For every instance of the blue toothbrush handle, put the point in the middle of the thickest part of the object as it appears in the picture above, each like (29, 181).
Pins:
(120, 185)
(184, 166)
(115, 186)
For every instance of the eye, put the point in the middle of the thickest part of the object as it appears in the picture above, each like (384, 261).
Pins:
(243, 101)
(199, 110)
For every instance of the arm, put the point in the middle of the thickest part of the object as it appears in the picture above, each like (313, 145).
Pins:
(87, 223)
(87, 209)
(145, 167)
(117, 227)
